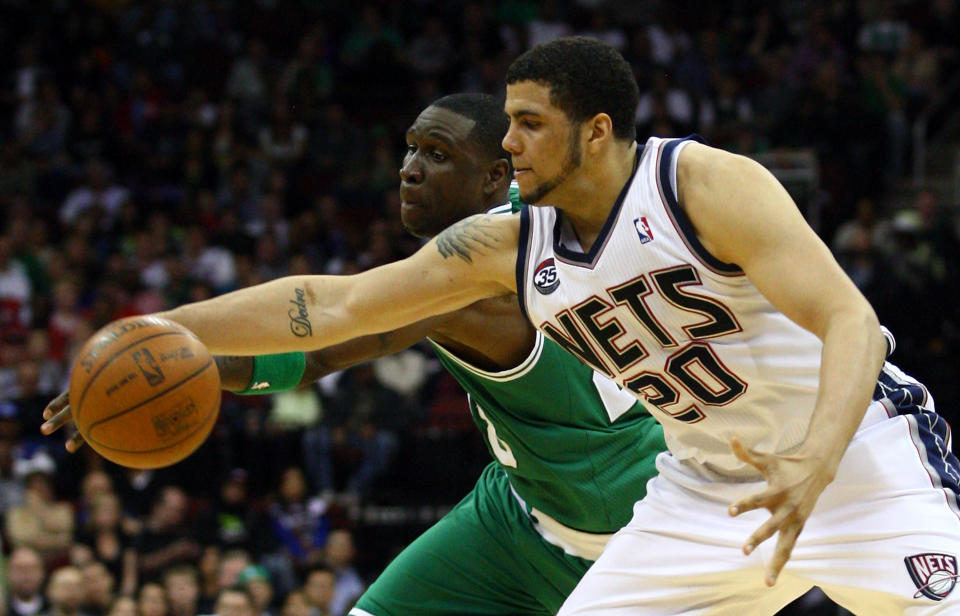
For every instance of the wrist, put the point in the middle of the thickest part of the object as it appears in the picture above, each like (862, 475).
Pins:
(276, 372)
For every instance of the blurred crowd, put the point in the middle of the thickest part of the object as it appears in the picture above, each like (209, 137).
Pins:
(159, 152)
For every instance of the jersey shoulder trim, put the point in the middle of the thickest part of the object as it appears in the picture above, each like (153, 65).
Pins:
(523, 246)
(666, 172)
(506, 208)
(514, 193)
(504, 375)
(589, 259)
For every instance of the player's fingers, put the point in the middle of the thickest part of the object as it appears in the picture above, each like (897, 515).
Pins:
(765, 531)
(768, 498)
(785, 542)
(74, 443)
(55, 405)
(57, 421)
(743, 454)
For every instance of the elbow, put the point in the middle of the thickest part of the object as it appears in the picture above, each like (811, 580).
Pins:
(876, 343)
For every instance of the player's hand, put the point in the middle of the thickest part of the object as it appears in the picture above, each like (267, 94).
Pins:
(794, 482)
(56, 415)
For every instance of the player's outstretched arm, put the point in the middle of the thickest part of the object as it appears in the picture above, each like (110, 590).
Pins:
(472, 260)
(743, 215)
(236, 372)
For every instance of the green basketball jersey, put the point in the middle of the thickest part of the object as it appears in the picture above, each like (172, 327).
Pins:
(573, 444)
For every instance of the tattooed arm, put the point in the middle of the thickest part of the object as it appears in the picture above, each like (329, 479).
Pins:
(472, 260)
(236, 371)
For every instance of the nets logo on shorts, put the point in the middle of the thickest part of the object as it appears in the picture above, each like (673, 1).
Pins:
(545, 277)
(934, 575)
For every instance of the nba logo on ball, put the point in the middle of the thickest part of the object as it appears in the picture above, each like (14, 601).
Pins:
(934, 575)
(545, 277)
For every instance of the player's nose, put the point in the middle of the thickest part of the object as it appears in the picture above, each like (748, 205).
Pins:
(410, 172)
(510, 143)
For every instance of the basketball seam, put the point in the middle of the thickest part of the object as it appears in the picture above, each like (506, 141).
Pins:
(94, 376)
(153, 397)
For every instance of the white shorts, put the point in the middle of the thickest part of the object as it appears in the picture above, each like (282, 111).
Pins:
(884, 537)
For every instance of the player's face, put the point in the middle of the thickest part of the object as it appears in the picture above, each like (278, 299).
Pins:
(442, 178)
(543, 142)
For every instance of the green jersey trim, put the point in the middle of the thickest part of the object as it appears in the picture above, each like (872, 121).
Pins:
(504, 375)
(506, 208)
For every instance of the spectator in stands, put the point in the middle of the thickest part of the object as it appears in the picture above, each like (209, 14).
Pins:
(208, 578)
(41, 522)
(65, 592)
(297, 520)
(256, 580)
(234, 602)
(319, 588)
(152, 600)
(98, 198)
(232, 521)
(98, 584)
(296, 604)
(168, 537)
(183, 590)
(16, 290)
(25, 577)
(232, 564)
(11, 487)
(339, 553)
(123, 606)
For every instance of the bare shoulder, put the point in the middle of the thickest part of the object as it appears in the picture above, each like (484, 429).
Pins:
(704, 168)
(482, 235)
(730, 200)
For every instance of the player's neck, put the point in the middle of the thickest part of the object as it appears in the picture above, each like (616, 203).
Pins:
(497, 198)
(591, 194)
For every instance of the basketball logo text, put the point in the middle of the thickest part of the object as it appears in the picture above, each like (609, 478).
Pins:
(179, 419)
(934, 575)
(108, 337)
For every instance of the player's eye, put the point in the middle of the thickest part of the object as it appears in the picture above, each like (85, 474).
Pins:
(411, 148)
(438, 156)
(531, 124)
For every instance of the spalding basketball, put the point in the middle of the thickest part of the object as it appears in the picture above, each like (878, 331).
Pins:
(144, 392)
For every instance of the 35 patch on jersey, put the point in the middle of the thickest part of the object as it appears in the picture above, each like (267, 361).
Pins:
(935, 575)
(545, 277)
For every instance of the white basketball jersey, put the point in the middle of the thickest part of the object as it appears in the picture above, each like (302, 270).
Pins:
(688, 334)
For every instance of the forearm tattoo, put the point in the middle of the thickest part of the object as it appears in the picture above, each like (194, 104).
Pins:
(299, 318)
(467, 237)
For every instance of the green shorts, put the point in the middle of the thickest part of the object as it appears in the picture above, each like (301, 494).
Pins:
(484, 557)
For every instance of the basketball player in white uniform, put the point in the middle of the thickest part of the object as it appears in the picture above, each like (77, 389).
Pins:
(687, 275)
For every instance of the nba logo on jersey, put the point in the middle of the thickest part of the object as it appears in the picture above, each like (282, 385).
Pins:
(643, 229)
(935, 575)
(545, 277)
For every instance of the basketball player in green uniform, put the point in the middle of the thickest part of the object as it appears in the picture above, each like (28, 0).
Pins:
(573, 452)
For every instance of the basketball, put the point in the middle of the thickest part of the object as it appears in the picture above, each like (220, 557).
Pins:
(144, 392)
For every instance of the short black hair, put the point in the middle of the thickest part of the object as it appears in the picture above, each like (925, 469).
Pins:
(585, 77)
(490, 122)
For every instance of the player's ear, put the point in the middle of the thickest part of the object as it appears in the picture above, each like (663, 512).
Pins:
(599, 129)
(498, 172)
